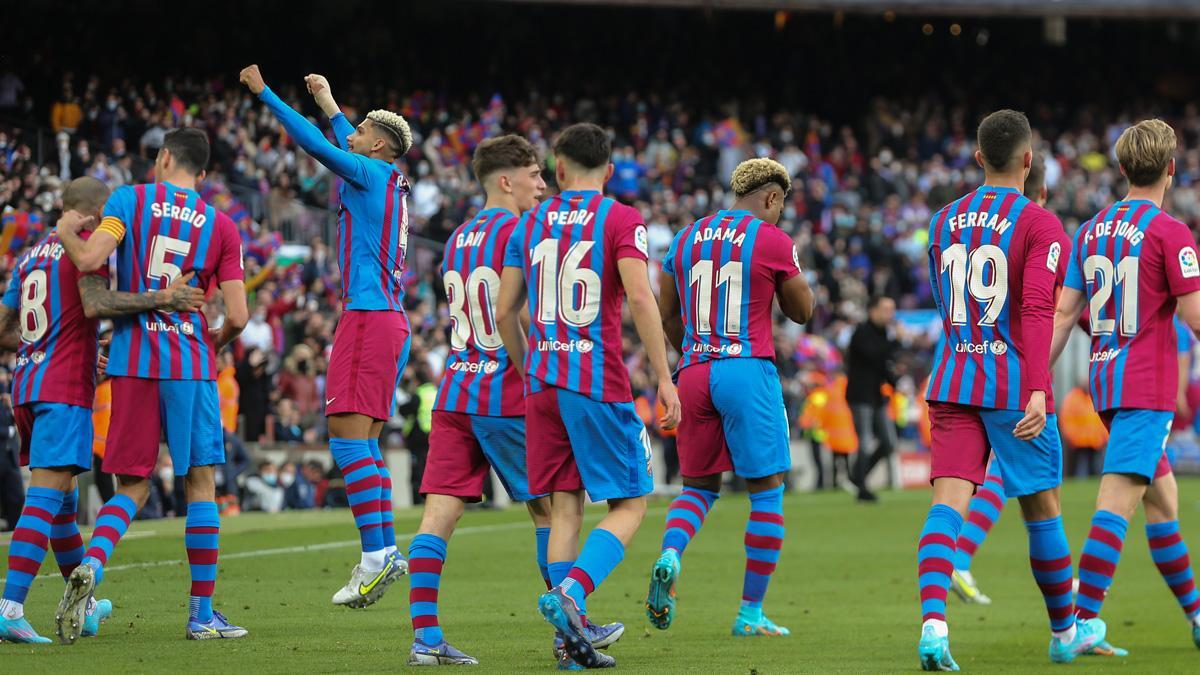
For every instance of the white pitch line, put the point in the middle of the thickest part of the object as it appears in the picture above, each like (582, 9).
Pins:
(477, 529)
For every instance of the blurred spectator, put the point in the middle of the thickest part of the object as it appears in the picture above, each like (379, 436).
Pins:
(255, 385)
(1084, 432)
(258, 333)
(415, 404)
(287, 423)
(12, 489)
(869, 358)
(263, 491)
(302, 492)
(297, 381)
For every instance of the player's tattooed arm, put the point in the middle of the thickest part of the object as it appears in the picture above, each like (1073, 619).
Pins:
(101, 303)
(10, 331)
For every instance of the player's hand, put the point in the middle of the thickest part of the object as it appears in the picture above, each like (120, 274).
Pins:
(1035, 418)
(318, 86)
(253, 79)
(73, 221)
(102, 357)
(669, 396)
(1182, 409)
(180, 297)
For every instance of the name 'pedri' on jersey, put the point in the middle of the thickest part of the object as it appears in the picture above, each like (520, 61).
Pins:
(994, 258)
(568, 248)
(164, 231)
(56, 362)
(479, 377)
(1131, 261)
(728, 268)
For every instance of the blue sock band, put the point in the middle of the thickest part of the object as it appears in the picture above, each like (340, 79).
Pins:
(601, 554)
(31, 539)
(542, 534)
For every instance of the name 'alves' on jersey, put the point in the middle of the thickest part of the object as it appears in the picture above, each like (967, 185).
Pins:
(727, 269)
(163, 232)
(479, 377)
(568, 248)
(995, 259)
(1131, 261)
(56, 362)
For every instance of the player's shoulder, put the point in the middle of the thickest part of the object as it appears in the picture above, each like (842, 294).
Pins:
(1037, 219)
(1163, 224)
(622, 213)
(943, 215)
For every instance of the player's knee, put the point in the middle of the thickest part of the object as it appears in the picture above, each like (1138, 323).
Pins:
(711, 483)
(1040, 506)
(765, 483)
(633, 507)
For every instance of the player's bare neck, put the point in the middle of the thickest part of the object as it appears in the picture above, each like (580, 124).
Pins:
(1153, 193)
(583, 184)
(1013, 181)
(751, 205)
(180, 179)
(502, 201)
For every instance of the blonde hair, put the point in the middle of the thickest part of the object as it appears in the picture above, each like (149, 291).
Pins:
(1144, 151)
(752, 174)
(397, 125)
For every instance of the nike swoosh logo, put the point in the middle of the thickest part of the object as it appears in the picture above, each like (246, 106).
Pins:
(363, 590)
(331, 400)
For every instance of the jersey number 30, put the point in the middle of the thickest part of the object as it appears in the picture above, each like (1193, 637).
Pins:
(970, 273)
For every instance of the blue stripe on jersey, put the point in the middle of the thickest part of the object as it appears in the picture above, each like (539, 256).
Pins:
(943, 236)
(53, 282)
(455, 378)
(1118, 369)
(1109, 341)
(1012, 362)
(988, 333)
(496, 386)
(531, 224)
(392, 232)
(551, 329)
(574, 356)
(137, 281)
(598, 263)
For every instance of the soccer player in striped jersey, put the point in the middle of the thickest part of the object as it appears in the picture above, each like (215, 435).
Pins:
(994, 257)
(718, 283)
(1132, 267)
(371, 343)
(49, 318)
(988, 502)
(575, 256)
(163, 366)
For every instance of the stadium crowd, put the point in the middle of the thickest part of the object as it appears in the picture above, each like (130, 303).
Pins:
(864, 188)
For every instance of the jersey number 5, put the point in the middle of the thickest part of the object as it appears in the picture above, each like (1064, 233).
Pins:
(160, 247)
(970, 273)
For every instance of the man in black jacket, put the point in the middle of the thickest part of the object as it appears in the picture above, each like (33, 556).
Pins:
(869, 358)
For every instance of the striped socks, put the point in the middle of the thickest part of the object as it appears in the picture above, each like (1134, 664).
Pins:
(1170, 555)
(65, 539)
(363, 490)
(385, 496)
(934, 553)
(1050, 560)
(763, 540)
(685, 517)
(30, 540)
(426, 555)
(1098, 562)
(601, 554)
(982, 514)
(111, 523)
(200, 538)
(542, 534)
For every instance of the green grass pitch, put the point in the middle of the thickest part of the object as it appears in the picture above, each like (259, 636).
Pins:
(845, 586)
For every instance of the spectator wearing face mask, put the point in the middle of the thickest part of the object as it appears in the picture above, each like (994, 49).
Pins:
(298, 382)
(263, 491)
(287, 423)
(301, 492)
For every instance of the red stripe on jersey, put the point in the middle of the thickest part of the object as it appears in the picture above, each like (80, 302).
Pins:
(347, 236)
(160, 195)
(1001, 379)
(174, 343)
(947, 358)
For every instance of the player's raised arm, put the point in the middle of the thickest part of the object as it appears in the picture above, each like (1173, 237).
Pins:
(318, 86)
(647, 319)
(101, 303)
(347, 165)
(92, 254)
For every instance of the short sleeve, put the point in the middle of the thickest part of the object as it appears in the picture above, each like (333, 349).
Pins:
(779, 253)
(229, 266)
(631, 239)
(119, 212)
(1074, 278)
(668, 263)
(12, 294)
(1180, 259)
(514, 250)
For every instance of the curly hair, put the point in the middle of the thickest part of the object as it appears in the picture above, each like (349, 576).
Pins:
(753, 174)
(398, 127)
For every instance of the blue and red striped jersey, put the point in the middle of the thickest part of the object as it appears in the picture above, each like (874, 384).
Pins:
(479, 378)
(995, 259)
(568, 248)
(727, 269)
(372, 217)
(56, 362)
(1131, 261)
(164, 231)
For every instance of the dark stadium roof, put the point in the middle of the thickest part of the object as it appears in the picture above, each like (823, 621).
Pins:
(1081, 8)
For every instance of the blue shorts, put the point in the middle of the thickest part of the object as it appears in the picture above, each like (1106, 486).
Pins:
(1137, 439)
(964, 436)
(462, 447)
(55, 436)
(733, 419)
(575, 443)
(188, 412)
